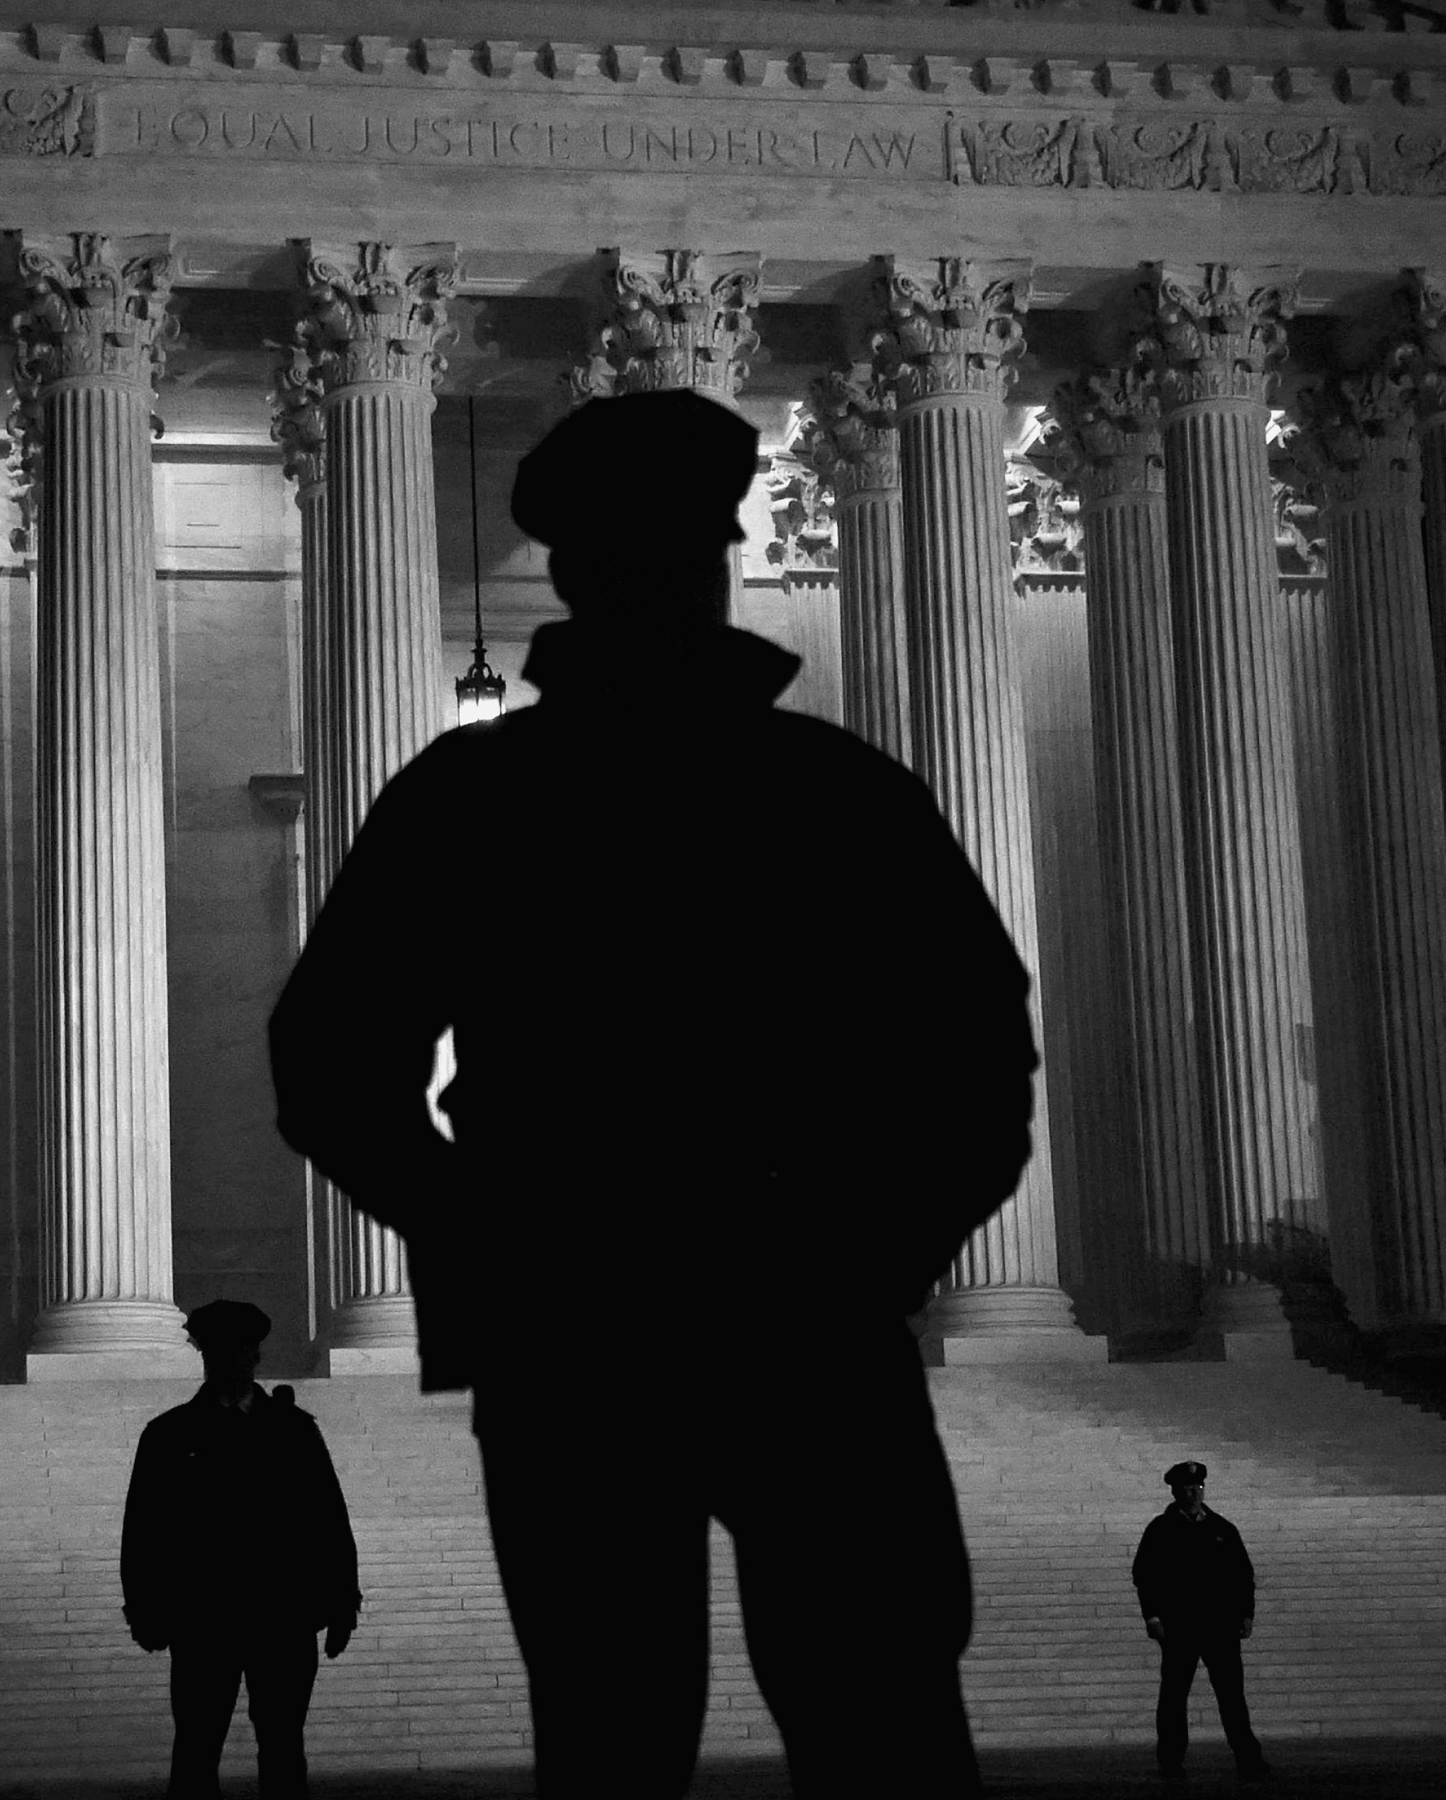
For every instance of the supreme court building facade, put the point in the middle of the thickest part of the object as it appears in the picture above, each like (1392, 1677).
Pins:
(1098, 353)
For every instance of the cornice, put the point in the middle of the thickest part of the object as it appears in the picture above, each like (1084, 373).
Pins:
(1293, 49)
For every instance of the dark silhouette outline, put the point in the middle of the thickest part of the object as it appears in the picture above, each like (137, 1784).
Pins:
(236, 1550)
(749, 1059)
(1197, 1595)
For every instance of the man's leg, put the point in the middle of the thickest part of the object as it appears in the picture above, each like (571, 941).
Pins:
(1179, 1659)
(205, 1679)
(852, 1574)
(280, 1672)
(602, 1546)
(1227, 1676)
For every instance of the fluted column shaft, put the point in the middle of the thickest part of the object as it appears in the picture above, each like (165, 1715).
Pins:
(319, 737)
(1132, 686)
(374, 332)
(852, 442)
(951, 325)
(85, 367)
(1241, 836)
(1432, 434)
(1364, 455)
(871, 613)
(968, 744)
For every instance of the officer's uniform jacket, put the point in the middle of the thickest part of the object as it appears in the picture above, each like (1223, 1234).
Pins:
(734, 1016)
(236, 1520)
(1194, 1572)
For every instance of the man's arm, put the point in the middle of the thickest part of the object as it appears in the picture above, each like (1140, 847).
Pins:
(354, 1033)
(144, 1546)
(1146, 1574)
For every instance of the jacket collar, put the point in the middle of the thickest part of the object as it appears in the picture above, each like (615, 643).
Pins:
(582, 660)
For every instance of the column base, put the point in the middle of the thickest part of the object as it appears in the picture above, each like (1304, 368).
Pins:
(1249, 1318)
(141, 1330)
(376, 1324)
(1006, 1325)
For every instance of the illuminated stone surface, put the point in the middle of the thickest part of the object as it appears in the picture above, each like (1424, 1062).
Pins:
(90, 338)
(1222, 337)
(1110, 441)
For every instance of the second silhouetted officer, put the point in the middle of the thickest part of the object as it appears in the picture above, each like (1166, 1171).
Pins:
(236, 1550)
(1197, 1592)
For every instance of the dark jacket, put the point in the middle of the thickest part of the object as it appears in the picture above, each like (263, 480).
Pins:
(1194, 1572)
(736, 1023)
(236, 1519)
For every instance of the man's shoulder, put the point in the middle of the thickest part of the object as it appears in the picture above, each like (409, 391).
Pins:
(173, 1426)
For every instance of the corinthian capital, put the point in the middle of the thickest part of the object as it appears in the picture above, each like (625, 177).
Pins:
(95, 306)
(676, 319)
(1220, 332)
(297, 424)
(852, 436)
(377, 312)
(952, 327)
(1356, 440)
(1103, 432)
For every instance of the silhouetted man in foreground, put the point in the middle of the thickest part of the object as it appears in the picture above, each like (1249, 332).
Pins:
(743, 1055)
(236, 1551)
(1197, 1592)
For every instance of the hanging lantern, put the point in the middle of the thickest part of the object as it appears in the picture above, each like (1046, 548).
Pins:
(481, 692)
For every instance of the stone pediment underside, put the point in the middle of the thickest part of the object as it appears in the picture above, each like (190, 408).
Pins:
(1076, 133)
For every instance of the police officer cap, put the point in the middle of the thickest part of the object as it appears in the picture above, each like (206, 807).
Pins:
(1182, 1472)
(661, 473)
(227, 1324)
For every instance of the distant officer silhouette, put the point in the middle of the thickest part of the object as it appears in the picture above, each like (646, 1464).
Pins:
(742, 1056)
(1197, 1592)
(236, 1550)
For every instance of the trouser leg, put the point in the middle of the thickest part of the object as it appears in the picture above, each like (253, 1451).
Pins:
(280, 1674)
(1179, 1659)
(1227, 1677)
(205, 1679)
(602, 1540)
(853, 1578)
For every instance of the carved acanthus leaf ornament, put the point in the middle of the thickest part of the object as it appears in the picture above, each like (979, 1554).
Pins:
(852, 435)
(1044, 522)
(952, 327)
(1357, 441)
(1103, 433)
(378, 316)
(1421, 353)
(1220, 332)
(676, 320)
(805, 539)
(297, 422)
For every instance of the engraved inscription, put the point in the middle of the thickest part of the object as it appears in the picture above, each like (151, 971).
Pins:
(879, 145)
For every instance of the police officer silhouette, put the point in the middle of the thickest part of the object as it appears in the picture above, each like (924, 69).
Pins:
(1197, 1593)
(751, 1058)
(235, 1551)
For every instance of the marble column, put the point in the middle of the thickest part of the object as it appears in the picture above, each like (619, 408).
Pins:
(950, 331)
(1220, 337)
(90, 345)
(375, 320)
(1107, 437)
(675, 319)
(1359, 451)
(853, 443)
(297, 427)
(1425, 358)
